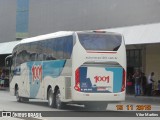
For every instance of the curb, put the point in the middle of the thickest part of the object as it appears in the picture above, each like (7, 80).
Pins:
(4, 89)
(143, 99)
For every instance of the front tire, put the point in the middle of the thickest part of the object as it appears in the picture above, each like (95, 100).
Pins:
(18, 98)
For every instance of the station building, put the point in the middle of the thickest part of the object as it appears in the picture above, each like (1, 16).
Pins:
(143, 48)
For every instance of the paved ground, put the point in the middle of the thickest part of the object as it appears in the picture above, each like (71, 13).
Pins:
(143, 99)
(8, 102)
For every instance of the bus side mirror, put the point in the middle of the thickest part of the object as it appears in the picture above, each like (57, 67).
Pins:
(8, 63)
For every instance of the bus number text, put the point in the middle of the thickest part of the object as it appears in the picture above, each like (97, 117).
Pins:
(37, 72)
(101, 79)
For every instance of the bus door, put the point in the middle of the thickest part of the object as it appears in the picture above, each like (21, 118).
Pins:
(20, 77)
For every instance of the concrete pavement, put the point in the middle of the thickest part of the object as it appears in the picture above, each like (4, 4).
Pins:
(143, 99)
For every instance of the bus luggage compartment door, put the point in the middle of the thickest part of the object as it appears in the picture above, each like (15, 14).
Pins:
(99, 79)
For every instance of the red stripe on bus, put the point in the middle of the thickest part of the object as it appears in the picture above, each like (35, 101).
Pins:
(100, 52)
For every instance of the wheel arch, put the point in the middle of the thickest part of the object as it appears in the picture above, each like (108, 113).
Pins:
(15, 88)
(50, 87)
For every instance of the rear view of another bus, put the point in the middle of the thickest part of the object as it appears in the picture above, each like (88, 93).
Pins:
(99, 68)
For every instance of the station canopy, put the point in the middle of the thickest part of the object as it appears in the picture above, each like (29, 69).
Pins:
(141, 34)
(7, 47)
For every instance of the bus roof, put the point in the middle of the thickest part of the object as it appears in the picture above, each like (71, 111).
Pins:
(57, 34)
(46, 36)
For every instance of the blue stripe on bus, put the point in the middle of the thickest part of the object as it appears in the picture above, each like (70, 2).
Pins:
(53, 68)
(49, 68)
(117, 79)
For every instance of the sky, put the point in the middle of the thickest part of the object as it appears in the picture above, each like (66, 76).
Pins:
(46, 16)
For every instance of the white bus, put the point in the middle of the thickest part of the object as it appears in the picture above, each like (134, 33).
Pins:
(70, 67)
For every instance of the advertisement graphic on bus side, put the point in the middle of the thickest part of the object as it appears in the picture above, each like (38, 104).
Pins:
(106, 80)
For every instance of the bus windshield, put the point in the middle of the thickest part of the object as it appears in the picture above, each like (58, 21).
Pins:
(100, 41)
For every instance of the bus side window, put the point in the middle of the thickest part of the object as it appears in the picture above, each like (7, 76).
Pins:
(33, 56)
(68, 47)
(59, 47)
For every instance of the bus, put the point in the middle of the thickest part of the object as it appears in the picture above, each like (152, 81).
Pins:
(70, 67)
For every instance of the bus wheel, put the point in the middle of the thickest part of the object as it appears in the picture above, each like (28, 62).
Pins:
(59, 103)
(51, 101)
(19, 99)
